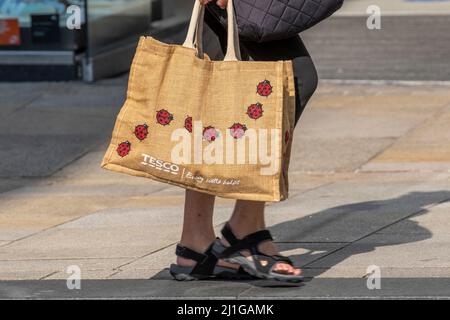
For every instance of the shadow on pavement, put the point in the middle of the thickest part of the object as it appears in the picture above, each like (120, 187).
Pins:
(367, 218)
(362, 219)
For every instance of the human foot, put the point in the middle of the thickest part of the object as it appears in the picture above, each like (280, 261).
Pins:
(269, 248)
(257, 254)
(195, 265)
(200, 244)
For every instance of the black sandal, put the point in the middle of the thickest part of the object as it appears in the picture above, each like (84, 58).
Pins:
(261, 264)
(206, 267)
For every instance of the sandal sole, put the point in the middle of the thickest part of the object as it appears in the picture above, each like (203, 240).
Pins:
(180, 273)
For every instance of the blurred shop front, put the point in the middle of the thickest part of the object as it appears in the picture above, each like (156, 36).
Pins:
(77, 39)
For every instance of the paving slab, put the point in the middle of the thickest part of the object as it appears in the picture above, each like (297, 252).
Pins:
(57, 269)
(434, 218)
(23, 275)
(380, 54)
(300, 182)
(147, 266)
(23, 216)
(390, 252)
(121, 289)
(75, 188)
(345, 211)
(429, 143)
(373, 116)
(358, 89)
(30, 156)
(329, 155)
(330, 288)
(406, 102)
(36, 122)
(87, 171)
(339, 271)
(141, 273)
(85, 274)
(340, 218)
(106, 234)
(417, 242)
(7, 184)
(81, 97)
(11, 101)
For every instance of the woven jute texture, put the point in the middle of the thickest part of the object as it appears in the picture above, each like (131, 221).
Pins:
(218, 127)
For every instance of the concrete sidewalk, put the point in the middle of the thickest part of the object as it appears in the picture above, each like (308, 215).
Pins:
(370, 185)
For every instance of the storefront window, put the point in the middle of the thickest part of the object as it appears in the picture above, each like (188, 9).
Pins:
(41, 24)
(86, 39)
(110, 21)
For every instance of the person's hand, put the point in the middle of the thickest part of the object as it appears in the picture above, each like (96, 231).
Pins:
(220, 3)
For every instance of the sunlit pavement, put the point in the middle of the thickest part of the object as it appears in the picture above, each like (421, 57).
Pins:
(370, 186)
(370, 181)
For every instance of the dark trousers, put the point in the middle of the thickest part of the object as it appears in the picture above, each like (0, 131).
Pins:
(305, 74)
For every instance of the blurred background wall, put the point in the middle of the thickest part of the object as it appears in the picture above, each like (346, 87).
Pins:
(36, 44)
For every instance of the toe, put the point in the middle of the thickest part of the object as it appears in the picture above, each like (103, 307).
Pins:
(297, 272)
(282, 268)
(285, 268)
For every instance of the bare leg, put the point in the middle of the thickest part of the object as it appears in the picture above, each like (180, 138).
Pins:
(248, 217)
(198, 232)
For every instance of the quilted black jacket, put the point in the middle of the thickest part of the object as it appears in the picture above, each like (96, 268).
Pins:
(265, 20)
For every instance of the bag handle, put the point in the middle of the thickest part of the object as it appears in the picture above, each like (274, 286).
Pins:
(194, 38)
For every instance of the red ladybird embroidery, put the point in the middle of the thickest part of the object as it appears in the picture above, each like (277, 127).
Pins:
(210, 133)
(141, 131)
(123, 148)
(255, 111)
(237, 130)
(264, 88)
(164, 117)
(188, 124)
(286, 137)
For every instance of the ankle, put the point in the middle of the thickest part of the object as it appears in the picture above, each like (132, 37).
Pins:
(198, 242)
(245, 227)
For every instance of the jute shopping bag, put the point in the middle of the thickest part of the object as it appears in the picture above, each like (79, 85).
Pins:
(218, 127)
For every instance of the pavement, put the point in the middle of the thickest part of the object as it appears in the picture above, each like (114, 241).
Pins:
(396, 7)
(408, 47)
(369, 176)
(370, 186)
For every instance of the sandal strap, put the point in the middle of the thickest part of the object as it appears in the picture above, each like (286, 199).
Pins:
(185, 252)
(206, 262)
(263, 262)
(281, 258)
(249, 242)
(258, 237)
(228, 234)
